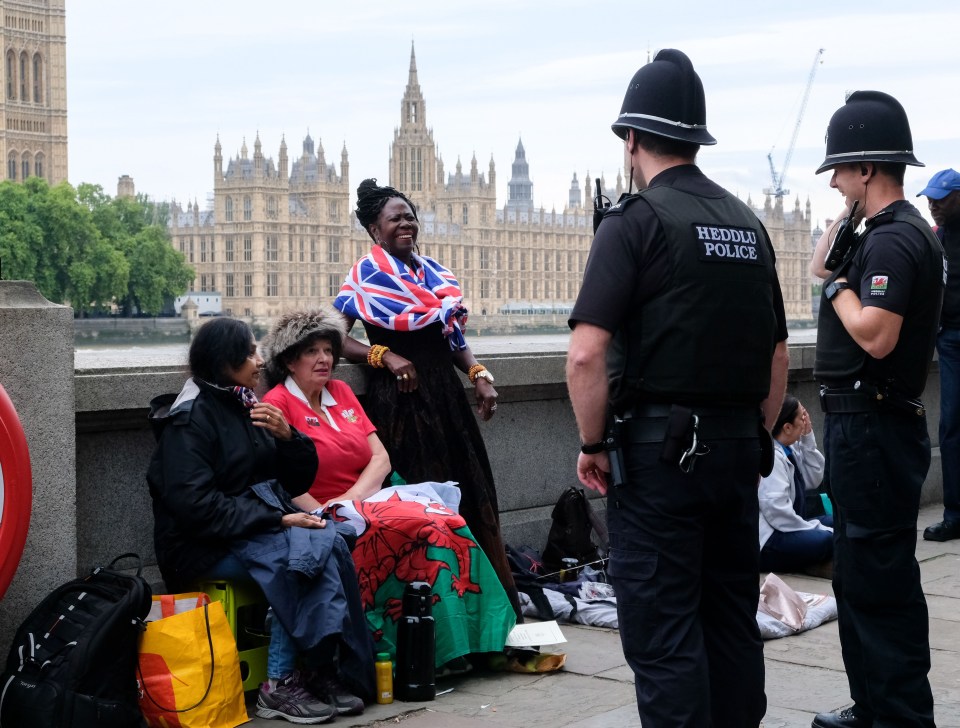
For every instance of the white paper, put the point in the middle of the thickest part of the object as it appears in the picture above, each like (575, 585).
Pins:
(535, 634)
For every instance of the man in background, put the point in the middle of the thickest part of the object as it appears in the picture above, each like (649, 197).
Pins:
(943, 198)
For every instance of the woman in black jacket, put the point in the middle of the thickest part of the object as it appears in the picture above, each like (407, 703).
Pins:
(216, 442)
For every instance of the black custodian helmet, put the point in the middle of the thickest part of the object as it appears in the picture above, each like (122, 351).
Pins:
(665, 98)
(870, 127)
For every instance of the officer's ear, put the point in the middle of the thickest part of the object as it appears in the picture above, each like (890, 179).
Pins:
(631, 141)
(867, 172)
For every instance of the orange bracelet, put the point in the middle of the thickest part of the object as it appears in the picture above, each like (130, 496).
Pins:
(375, 356)
(474, 371)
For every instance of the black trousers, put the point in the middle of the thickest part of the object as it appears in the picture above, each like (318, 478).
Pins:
(684, 564)
(877, 464)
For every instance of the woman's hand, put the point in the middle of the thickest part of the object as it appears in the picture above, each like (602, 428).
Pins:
(806, 424)
(304, 520)
(270, 418)
(403, 370)
(486, 399)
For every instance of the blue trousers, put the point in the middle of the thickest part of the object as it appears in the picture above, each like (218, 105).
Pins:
(948, 353)
(877, 464)
(282, 653)
(793, 550)
(684, 564)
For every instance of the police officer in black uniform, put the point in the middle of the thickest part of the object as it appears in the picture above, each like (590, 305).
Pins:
(681, 294)
(878, 326)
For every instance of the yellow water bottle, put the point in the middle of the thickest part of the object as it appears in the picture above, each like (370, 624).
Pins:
(384, 669)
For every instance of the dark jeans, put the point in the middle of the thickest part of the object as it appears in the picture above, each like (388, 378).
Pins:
(684, 564)
(793, 550)
(948, 353)
(877, 463)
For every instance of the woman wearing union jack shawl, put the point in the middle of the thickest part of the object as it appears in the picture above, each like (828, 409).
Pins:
(411, 308)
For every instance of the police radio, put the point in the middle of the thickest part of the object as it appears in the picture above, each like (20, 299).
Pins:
(845, 241)
(601, 203)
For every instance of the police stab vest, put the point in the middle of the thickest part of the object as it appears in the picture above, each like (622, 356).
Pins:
(839, 359)
(709, 335)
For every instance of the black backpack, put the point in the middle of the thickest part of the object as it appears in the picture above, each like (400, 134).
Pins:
(573, 523)
(73, 661)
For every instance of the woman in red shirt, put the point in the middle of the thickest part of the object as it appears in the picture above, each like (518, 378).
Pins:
(405, 533)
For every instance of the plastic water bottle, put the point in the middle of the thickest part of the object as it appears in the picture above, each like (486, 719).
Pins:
(384, 670)
(416, 645)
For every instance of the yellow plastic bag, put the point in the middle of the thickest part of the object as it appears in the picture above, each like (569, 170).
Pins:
(188, 668)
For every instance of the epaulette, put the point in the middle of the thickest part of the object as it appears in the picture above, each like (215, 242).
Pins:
(622, 204)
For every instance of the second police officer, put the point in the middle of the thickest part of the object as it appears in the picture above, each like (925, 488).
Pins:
(877, 329)
(680, 290)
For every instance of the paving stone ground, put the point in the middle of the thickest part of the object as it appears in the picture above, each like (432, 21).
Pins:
(804, 673)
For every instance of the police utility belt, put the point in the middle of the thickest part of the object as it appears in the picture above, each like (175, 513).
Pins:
(683, 432)
(864, 397)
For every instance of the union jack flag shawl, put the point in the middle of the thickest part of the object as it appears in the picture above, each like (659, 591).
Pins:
(382, 290)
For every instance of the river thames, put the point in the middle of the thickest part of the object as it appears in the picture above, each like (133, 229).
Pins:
(126, 356)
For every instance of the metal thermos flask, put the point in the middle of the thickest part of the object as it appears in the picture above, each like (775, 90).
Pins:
(415, 679)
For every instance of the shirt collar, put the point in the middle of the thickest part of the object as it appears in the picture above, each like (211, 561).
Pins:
(327, 400)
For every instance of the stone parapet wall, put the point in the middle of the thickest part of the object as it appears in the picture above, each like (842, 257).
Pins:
(532, 443)
(91, 501)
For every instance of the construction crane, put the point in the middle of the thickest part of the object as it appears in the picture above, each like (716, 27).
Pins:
(777, 189)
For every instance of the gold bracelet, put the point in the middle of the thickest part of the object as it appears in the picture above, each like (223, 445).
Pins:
(375, 356)
(474, 371)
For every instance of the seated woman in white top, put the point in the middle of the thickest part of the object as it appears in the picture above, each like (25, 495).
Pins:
(789, 542)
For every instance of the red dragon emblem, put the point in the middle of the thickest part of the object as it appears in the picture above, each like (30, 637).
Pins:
(395, 540)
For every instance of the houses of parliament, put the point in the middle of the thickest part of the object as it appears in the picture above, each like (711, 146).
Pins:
(282, 234)
(33, 105)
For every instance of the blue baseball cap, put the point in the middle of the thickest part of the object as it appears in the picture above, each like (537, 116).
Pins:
(941, 184)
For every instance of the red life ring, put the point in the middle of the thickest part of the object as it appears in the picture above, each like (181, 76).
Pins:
(16, 491)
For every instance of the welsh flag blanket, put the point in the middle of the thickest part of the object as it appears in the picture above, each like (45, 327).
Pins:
(407, 533)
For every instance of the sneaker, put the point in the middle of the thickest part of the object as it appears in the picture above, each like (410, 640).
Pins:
(289, 700)
(332, 691)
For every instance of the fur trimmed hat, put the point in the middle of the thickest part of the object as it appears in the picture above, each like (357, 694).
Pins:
(295, 327)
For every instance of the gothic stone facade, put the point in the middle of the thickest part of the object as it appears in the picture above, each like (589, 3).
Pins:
(283, 235)
(33, 104)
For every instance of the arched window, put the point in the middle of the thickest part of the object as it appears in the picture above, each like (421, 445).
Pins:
(12, 167)
(25, 166)
(38, 165)
(247, 208)
(229, 209)
(23, 77)
(11, 75)
(466, 217)
(37, 78)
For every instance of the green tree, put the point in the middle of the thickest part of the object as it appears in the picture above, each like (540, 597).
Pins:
(82, 247)
(157, 271)
(137, 227)
(20, 237)
(72, 251)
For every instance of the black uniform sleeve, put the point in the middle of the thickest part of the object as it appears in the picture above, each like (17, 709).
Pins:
(888, 269)
(625, 267)
(778, 308)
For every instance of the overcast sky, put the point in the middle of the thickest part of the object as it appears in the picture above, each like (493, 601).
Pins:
(151, 85)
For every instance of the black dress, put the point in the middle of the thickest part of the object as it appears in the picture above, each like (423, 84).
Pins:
(432, 434)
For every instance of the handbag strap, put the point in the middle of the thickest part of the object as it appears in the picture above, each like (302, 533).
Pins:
(143, 685)
(128, 555)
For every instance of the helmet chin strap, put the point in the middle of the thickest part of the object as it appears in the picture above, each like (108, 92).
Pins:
(630, 183)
